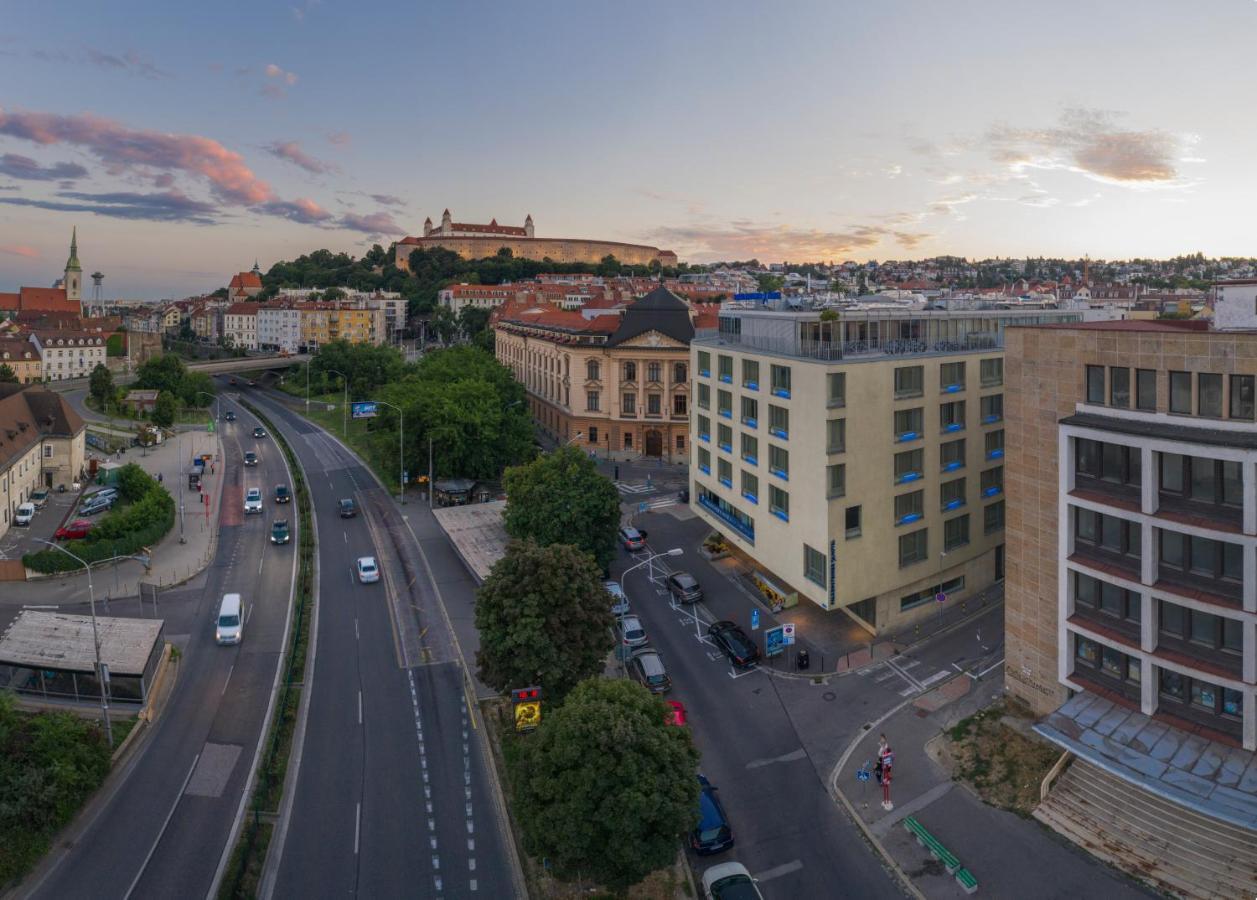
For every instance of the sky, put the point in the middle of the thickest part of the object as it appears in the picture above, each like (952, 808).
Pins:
(184, 141)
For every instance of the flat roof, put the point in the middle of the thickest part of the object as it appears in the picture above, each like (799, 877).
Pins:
(1175, 326)
(46, 640)
(477, 533)
(1217, 437)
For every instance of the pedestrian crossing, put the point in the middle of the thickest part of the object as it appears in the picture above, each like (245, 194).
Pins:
(899, 668)
(641, 487)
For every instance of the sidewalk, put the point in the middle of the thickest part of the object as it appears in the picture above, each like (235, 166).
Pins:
(1010, 856)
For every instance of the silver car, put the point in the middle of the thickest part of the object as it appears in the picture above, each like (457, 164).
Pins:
(619, 599)
(631, 632)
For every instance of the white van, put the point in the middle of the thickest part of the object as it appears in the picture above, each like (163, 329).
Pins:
(25, 512)
(229, 628)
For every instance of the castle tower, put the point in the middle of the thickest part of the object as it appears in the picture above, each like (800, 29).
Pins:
(447, 222)
(427, 226)
(73, 271)
(528, 225)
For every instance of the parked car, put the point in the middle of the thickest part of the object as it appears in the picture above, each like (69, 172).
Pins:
(279, 532)
(252, 501)
(250, 458)
(631, 538)
(368, 571)
(75, 530)
(230, 415)
(619, 599)
(732, 640)
(25, 512)
(259, 432)
(647, 669)
(712, 834)
(281, 493)
(111, 492)
(39, 497)
(676, 714)
(684, 587)
(730, 881)
(347, 508)
(97, 504)
(631, 632)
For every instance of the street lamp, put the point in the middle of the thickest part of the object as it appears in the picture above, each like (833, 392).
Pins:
(675, 551)
(576, 437)
(401, 461)
(100, 669)
(344, 427)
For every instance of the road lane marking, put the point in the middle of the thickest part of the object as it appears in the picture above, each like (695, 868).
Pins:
(937, 676)
(778, 871)
(228, 681)
(359, 707)
(164, 825)
(357, 825)
(356, 637)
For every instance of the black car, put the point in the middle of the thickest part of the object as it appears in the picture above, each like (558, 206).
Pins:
(282, 494)
(347, 508)
(259, 432)
(731, 639)
(712, 834)
(684, 587)
(229, 416)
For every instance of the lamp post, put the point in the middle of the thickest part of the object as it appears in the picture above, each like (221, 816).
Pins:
(675, 551)
(344, 426)
(401, 461)
(100, 669)
(214, 400)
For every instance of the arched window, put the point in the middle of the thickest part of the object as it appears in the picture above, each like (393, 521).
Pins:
(630, 371)
(654, 372)
(592, 370)
(680, 373)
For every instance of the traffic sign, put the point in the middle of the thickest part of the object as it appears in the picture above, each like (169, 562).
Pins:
(787, 633)
(754, 620)
(940, 597)
(862, 775)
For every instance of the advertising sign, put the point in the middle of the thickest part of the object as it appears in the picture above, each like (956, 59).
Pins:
(527, 702)
(774, 641)
(364, 409)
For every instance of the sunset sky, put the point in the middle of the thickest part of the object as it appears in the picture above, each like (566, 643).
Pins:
(184, 141)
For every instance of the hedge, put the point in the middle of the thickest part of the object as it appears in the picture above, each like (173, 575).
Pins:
(140, 523)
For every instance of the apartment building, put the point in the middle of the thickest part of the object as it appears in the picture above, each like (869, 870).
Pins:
(22, 356)
(856, 457)
(240, 324)
(69, 354)
(279, 327)
(41, 445)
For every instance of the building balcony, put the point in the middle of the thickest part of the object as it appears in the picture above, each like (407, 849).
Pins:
(653, 415)
(679, 417)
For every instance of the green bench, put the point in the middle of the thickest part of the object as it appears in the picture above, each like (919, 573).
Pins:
(966, 880)
(964, 877)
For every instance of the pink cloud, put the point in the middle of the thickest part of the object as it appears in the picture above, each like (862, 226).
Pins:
(274, 71)
(375, 223)
(302, 210)
(122, 148)
(19, 250)
(291, 151)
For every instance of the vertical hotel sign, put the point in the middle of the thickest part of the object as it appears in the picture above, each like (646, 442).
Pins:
(833, 560)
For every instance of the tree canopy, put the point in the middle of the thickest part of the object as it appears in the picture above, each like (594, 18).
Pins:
(100, 385)
(165, 409)
(560, 498)
(603, 787)
(367, 367)
(544, 618)
(167, 372)
(7, 375)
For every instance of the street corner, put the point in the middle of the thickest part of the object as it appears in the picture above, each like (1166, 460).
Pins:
(946, 693)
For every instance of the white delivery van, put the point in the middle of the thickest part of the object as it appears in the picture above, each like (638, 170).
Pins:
(229, 627)
(25, 512)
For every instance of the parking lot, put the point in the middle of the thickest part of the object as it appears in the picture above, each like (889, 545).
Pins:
(25, 539)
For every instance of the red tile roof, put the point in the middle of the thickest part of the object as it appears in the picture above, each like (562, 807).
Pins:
(243, 309)
(51, 299)
(246, 280)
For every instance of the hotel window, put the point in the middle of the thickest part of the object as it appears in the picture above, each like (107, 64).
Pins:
(1201, 628)
(1095, 384)
(1107, 661)
(1187, 556)
(750, 374)
(836, 435)
(813, 565)
(704, 363)
(956, 532)
(750, 412)
(1209, 394)
(680, 373)
(750, 449)
(909, 423)
(993, 481)
(704, 460)
(952, 455)
(952, 377)
(909, 507)
(628, 405)
(993, 517)
(1181, 393)
(909, 381)
(778, 421)
(724, 472)
(778, 461)
(592, 370)
(1201, 695)
(951, 416)
(1104, 597)
(654, 372)
(1119, 386)
(913, 548)
(1114, 463)
(724, 437)
(780, 380)
(750, 486)
(909, 465)
(654, 404)
(992, 409)
(704, 428)
(726, 368)
(992, 372)
(591, 401)
(724, 404)
(593, 434)
(851, 522)
(994, 441)
(837, 384)
(704, 396)
(1108, 533)
(778, 502)
(679, 405)
(1242, 397)
(1216, 481)
(952, 493)
(836, 479)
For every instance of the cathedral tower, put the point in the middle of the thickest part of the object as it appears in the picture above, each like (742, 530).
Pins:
(73, 271)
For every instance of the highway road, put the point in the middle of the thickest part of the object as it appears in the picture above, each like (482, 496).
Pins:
(392, 796)
(161, 828)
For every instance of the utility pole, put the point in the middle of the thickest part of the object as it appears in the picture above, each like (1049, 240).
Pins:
(430, 485)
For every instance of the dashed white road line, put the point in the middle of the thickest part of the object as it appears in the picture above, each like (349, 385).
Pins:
(357, 825)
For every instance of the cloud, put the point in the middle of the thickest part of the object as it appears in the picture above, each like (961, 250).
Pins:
(388, 199)
(302, 210)
(281, 81)
(375, 224)
(299, 12)
(19, 250)
(130, 62)
(123, 149)
(274, 71)
(291, 151)
(27, 169)
(744, 240)
(339, 138)
(170, 206)
(1092, 142)
(946, 206)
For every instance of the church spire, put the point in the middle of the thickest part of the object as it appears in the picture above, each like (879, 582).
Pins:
(73, 261)
(257, 270)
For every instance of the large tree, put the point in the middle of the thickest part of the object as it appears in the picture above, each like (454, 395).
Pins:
(100, 384)
(604, 787)
(544, 618)
(165, 409)
(161, 373)
(560, 498)
(7, 375)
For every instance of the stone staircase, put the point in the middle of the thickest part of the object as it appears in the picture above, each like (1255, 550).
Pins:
(1177, 850)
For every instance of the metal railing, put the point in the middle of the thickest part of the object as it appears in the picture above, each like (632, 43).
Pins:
(855, 350)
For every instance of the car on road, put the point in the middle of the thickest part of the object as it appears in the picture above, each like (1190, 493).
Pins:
(259, 432)
(97, 503)
(684, 587)
(631, 538)
(712, 834)
(39, 497)
(75, 530)
(230, 415)
(346, 508)
(676, 714)
(229, 623)
(631, 632)
(103, 492)
(252, 501)
(279, 532)
(250, 458)
(647, 669)
(730, 881)
(282, 494)
(25, 512)
(232, 381)
(734, 643)
(619, 599)
(368, 571)
(252, 383)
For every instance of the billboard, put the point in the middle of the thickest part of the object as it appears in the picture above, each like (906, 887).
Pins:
(364, 410)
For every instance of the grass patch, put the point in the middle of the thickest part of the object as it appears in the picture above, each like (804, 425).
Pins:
(244, 870)
(994, 753)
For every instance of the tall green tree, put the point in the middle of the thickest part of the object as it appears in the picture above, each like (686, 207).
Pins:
(544, 618)
(100, 384)
(165, 409)
(603, 787)
(161, 373)
(560, 498)
(7, 375)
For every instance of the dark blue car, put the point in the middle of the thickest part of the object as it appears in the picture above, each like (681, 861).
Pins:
(712, 834)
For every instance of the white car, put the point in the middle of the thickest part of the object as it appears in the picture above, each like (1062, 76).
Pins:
(368, 571)
(253, 501)
(25, 512)
(730, 881)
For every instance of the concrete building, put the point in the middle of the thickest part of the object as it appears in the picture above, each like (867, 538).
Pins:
(69, 354)
(279, 327)
(478, 296)
(240, 325)
(855, 458)
(23, 357)
(41, 445)
(616, 383)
